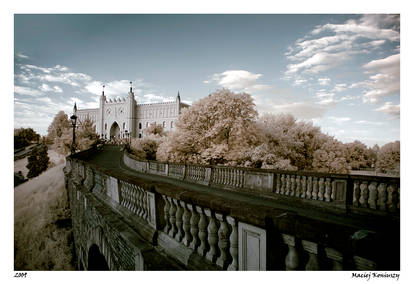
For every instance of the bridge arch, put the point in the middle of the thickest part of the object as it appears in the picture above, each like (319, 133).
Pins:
(96, 260)
(98, 251)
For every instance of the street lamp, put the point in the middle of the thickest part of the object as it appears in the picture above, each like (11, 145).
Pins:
(73, 119)
(126, 135)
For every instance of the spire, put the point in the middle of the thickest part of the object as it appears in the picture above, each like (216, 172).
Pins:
(103, 90)
(75, 109)
(178, 96)
(130, 88)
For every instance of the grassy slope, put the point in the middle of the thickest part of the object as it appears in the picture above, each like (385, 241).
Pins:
(42, 226)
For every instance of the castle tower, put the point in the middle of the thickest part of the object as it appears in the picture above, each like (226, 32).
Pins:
(131, 109)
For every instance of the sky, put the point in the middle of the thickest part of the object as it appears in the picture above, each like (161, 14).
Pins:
(340, 71)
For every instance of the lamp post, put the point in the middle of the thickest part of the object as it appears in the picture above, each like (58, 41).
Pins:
(126, 136)
(73, 119)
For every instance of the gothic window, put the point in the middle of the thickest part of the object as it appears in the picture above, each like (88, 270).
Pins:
(139, 135)
(172, 124)
(105, 126)
(123, 125)
(140, 125)
(163, 124)
(146, 126)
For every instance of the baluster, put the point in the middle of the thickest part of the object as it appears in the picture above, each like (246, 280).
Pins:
(223, 241)
(186, 224)
(129, 204)
(194, 227)
(283, 184)
(321, 188)
(173, 209)
(278, 183)
(233, 244)
(135, 200)
(167, 226)
(144, 204)
(233, 177)
(293, 185)
(122, 193)
(357, 194)
(179, 221)
(312, 249)
(292, 258)
(336, 257)
(392, 198)
(138, 201)
(315, 189)
(309, 188)
(287, 190)
(372, 199)
(303, 189)
(212, 236)
(298, 186)
(363, 200)
(382, 196)
(328, 189)
(202, 233)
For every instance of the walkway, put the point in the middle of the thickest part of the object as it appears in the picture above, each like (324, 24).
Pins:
(110, 158)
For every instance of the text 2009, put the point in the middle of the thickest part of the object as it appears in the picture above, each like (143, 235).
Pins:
(20, 274)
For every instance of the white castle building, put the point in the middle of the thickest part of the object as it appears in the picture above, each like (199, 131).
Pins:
(120, 118)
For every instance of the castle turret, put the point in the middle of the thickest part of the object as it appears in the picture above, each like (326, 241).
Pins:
(131, 109)
(101, 117)
(178, 99)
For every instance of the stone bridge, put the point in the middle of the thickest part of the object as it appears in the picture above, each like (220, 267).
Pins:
(144, 215)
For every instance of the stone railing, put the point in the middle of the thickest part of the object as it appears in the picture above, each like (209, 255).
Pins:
(222, 236)
(366, 193)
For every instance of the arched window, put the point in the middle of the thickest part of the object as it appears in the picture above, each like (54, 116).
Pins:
(105, 126)
(163, 124)
(139, 135)
(123, 125)
(146, 126)
(140, 125)
(172, 124)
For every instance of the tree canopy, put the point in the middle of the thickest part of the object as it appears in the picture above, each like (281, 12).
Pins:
(214, 130)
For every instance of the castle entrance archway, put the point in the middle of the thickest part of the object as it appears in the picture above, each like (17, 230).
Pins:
(115, 131)
(96, 260)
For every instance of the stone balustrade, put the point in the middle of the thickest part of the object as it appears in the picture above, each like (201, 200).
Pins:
(336, 190)
(223, 240)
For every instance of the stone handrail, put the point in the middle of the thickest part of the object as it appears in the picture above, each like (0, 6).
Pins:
(219, 235)
(355, 192)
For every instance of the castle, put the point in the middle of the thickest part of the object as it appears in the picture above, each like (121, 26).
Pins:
(121, 118)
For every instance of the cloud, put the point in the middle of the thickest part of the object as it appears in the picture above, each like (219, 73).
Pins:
(318, 62)
(56, 74)
(369, 123)
(238, 80)
(385, 81)
(368, 26)
(329, 45)
(21, 55)
(390, 108)
(27, 91)
(153, 98)
(47, 88)
(339, 120)
(324, 81)
(301, 110)
(340, 87)
(299, 81)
